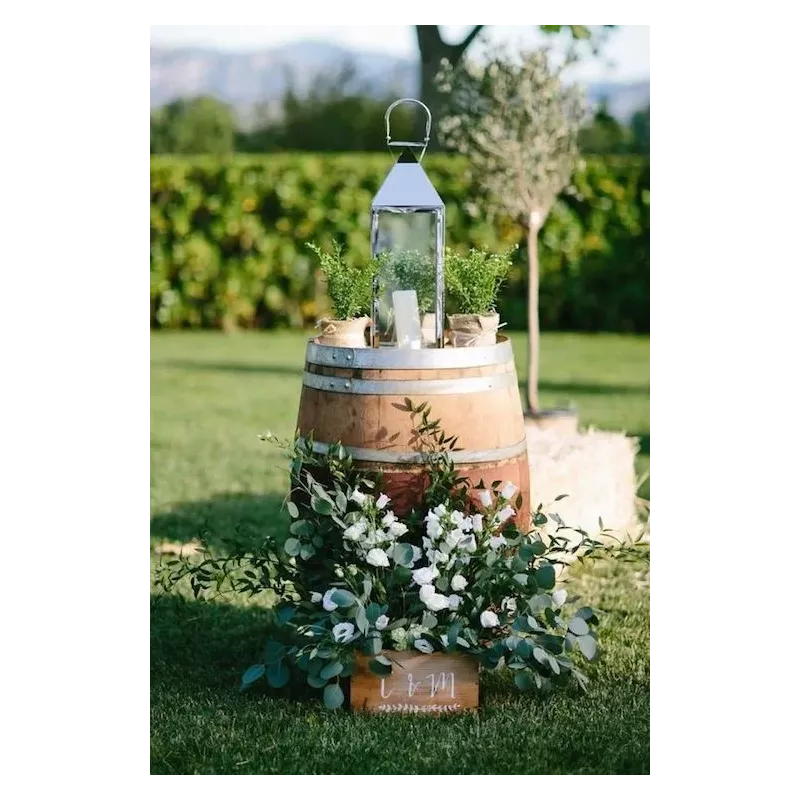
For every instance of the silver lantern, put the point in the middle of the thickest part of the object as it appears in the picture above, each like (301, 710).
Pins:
(407, 234)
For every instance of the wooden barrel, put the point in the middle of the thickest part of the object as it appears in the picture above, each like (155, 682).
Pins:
(356, 396)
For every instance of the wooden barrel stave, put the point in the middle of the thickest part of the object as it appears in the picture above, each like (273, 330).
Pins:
(349, 397)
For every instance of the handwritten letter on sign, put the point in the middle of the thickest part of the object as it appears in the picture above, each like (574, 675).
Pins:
(439, 683)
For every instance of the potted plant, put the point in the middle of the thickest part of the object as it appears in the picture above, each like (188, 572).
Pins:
(350, 292)
(473, 282)
(411, 269)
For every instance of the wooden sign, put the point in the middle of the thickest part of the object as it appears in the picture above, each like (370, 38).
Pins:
(439, 683)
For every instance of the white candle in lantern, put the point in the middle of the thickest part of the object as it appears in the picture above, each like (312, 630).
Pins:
(406, 319)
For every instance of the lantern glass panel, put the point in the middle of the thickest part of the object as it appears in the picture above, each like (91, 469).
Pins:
(406, 242)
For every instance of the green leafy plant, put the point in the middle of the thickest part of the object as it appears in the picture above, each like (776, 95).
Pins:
(349, 285)
(456, 576)
(410, 269)
(473, 280)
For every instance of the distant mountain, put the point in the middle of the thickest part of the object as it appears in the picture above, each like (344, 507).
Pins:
(244, 79)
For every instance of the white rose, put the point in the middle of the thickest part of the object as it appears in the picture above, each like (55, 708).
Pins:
(454, 601)
(477, 523)
(485, 496)
(505, 513)
(353, 533)
(377, 558)
(381, 501)
(497, 541)
(423, 646)
(316, 597)
(456, 517)
(424, 575)
(433, 528)
(344, 632)
(453, 539)
(382, 622)
(510, 604)
(458, 583)
(433, 601)
(560, 597)
(327, 603)
(358, 497)
(397, 529)
(489, 619)
(509, 490)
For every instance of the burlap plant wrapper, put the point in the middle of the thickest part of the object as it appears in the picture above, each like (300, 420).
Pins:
(596, 469)
(343, 332)
(473, 330)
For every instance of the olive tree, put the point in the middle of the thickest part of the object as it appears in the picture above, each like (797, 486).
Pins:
(517, 122)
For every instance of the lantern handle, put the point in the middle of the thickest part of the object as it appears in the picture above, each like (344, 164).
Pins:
(423, 145)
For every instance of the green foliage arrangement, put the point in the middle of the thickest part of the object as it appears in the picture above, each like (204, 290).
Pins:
(349, 285)
(456, 575)
(410, 269)
(226, 239)
(473, 280)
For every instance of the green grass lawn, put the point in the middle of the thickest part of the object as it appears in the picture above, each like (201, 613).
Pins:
(210, 475)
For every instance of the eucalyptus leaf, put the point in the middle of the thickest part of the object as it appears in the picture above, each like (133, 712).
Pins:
(274, 652)
(588, 646)
(333, 696)
(291, 546)
(379, 667)
(292, 509)
(331, 670)
(546, 576)
(316, 682)
(278, 675)
(343, 598)
(403, 554)
(524, 681)
(320, 506)
(361, 619)
(307, 551)
(578, 626)
(301, 527)
(252, 674)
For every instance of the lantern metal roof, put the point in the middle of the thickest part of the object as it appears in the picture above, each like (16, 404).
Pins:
(407, 187)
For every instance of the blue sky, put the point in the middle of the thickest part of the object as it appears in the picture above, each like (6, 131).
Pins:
(627, 48)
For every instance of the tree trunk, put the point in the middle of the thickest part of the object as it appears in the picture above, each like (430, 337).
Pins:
(534, 225)
(432, 49)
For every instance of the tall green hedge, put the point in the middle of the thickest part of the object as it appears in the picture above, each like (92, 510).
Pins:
(228, 238)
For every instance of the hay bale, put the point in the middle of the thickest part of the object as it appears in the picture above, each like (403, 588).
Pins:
(596, 469)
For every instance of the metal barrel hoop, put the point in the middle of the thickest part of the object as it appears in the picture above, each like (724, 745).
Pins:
(423, 145)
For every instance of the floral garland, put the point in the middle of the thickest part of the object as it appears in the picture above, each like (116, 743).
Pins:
(352, 577)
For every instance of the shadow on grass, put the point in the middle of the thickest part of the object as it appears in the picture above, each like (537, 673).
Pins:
(226, 522)
(211, 366)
